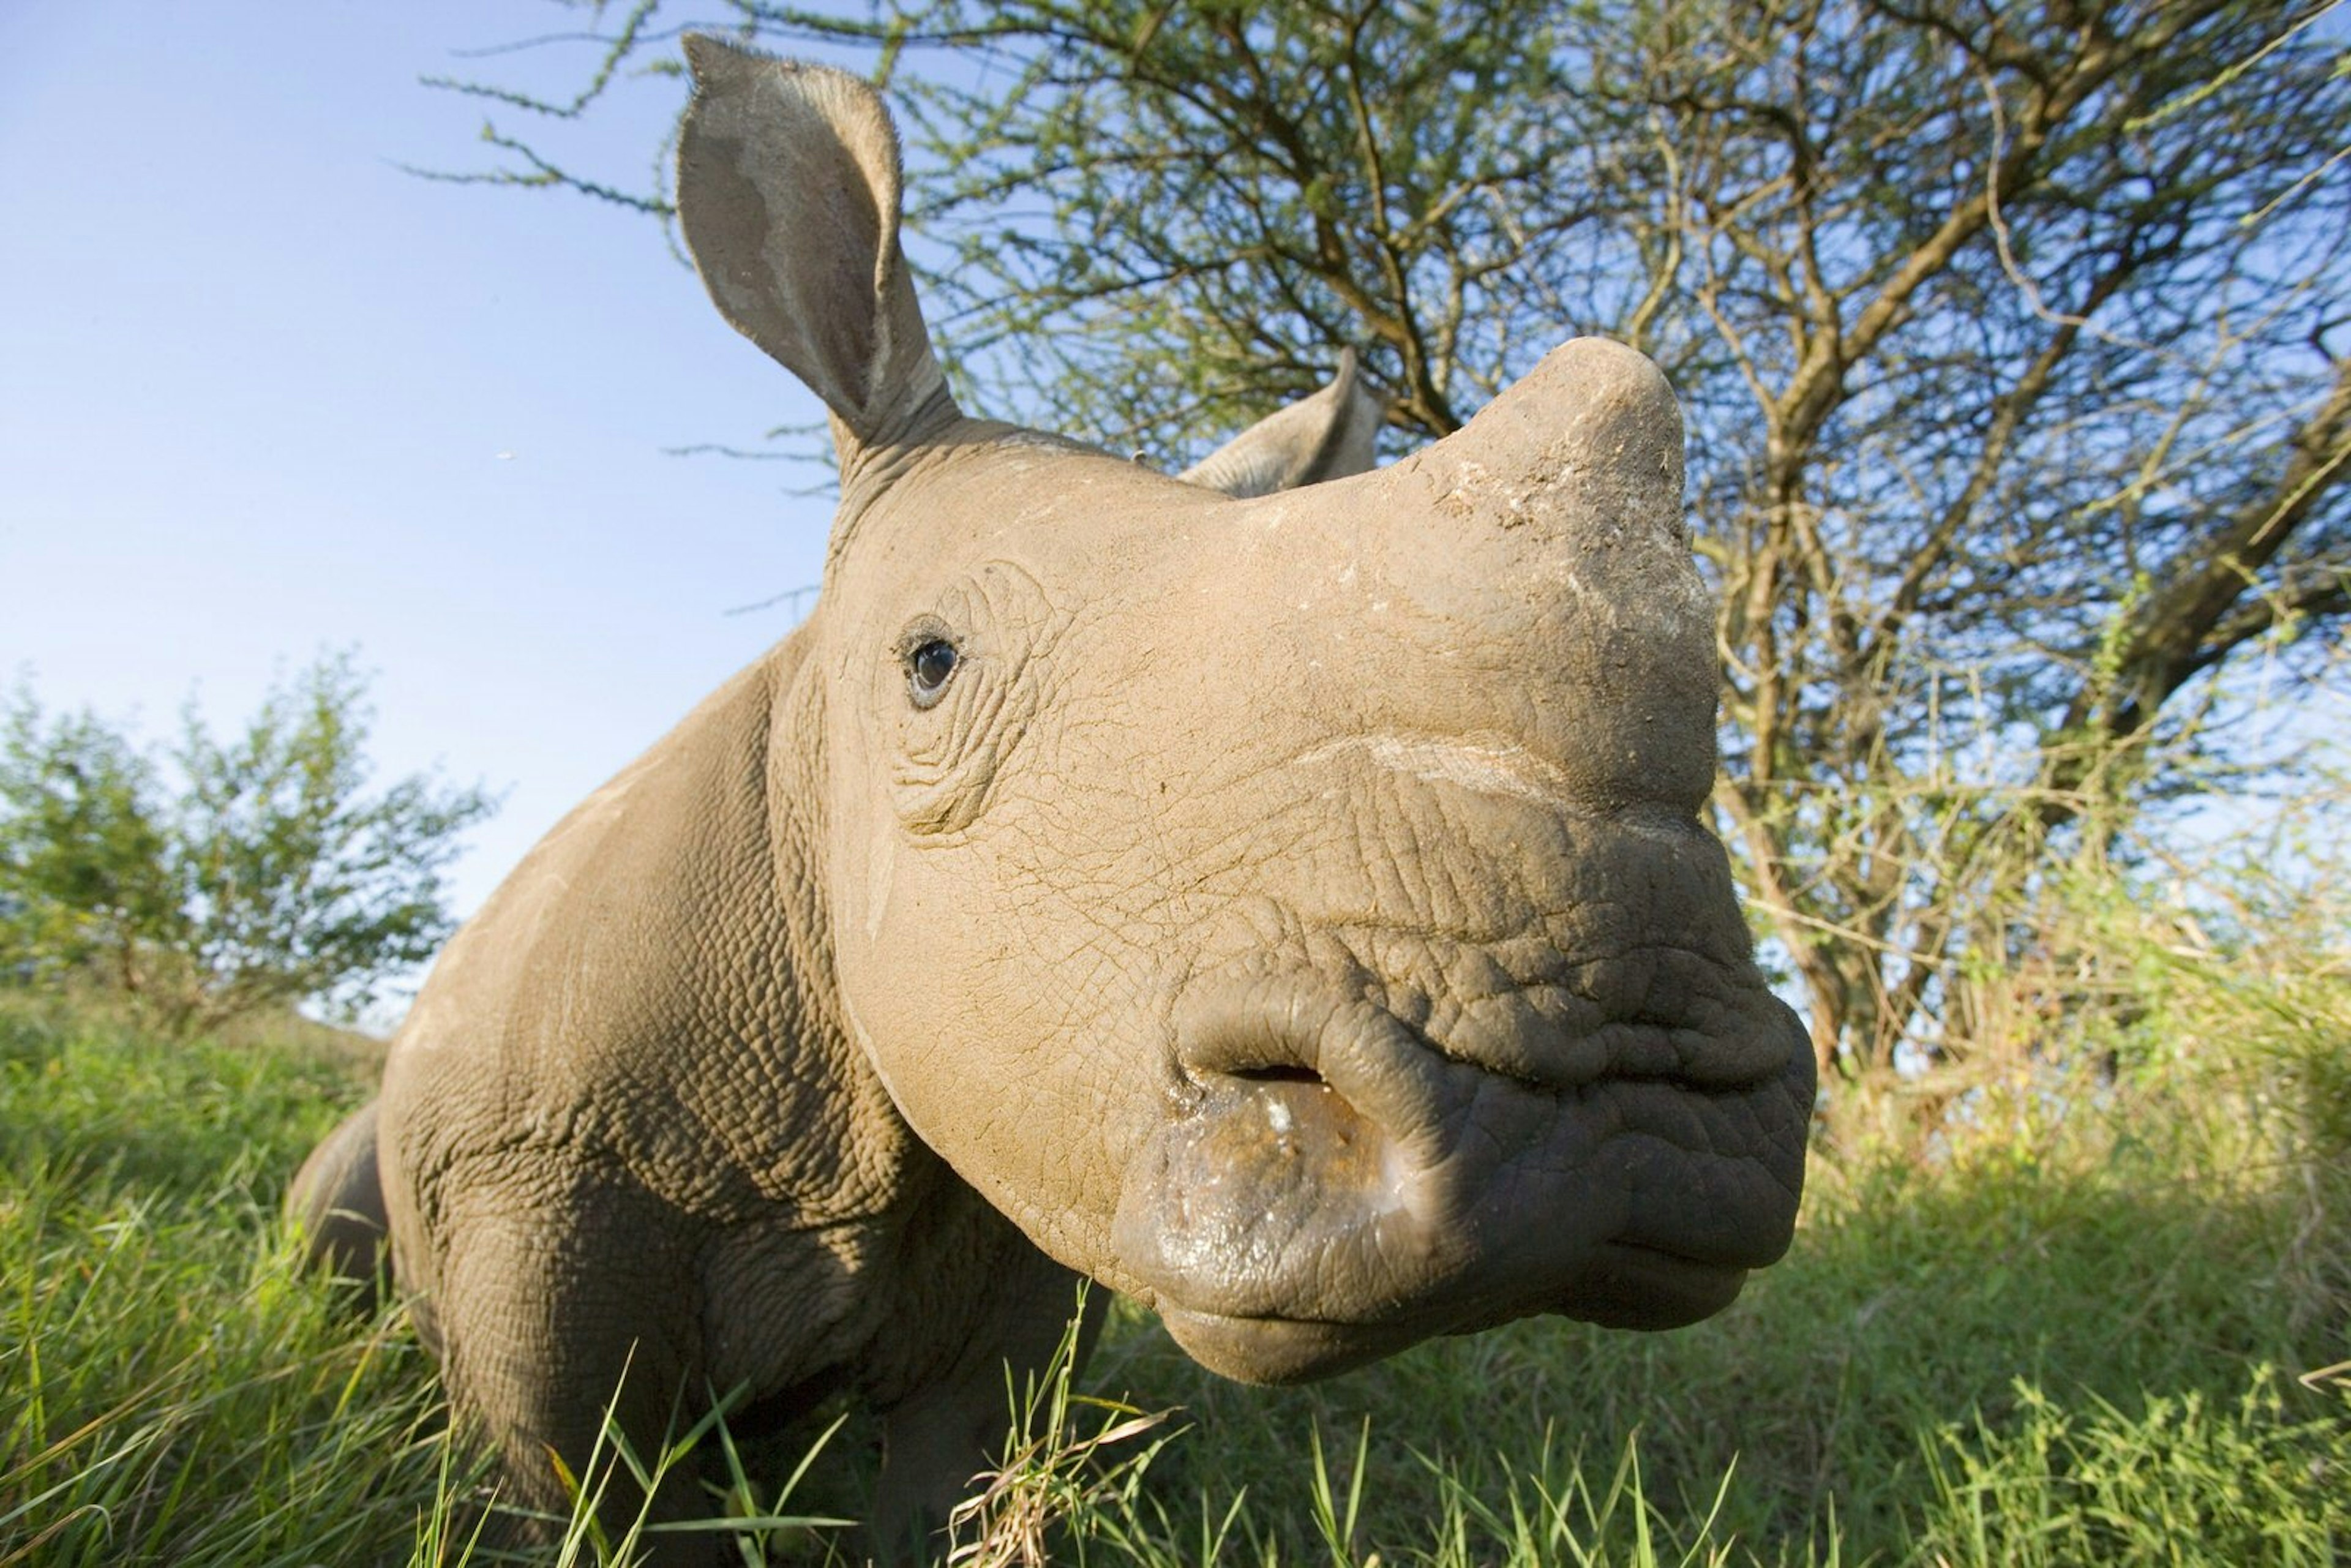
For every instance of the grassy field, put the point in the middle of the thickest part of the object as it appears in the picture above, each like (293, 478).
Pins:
(2059, 1322)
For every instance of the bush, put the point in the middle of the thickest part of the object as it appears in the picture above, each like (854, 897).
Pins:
(222, 876)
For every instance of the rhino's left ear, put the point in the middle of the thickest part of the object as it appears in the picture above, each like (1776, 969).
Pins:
(1326, 436)
(788, 192)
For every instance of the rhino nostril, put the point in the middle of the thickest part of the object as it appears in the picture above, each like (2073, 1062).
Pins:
(1278, 1072)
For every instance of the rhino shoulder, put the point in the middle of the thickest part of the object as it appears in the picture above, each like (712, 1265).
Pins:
(652, 970)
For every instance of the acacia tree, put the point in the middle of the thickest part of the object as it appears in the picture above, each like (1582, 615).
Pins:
(2010, 337)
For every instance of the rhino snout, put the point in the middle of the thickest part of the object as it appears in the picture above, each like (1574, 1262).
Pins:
(1331, 1185)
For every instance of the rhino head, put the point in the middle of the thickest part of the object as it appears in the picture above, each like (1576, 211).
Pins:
(1294, 911)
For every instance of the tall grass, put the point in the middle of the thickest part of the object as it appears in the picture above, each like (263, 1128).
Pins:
(2088, 1306)
(170, 1388)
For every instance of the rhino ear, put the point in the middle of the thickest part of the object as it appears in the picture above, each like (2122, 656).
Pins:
(788, 192)
(1326, 436)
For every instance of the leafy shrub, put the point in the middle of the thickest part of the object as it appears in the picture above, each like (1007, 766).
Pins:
(222, 876)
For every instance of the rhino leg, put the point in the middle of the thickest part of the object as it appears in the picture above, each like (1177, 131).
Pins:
(565, 1321)
(337, 1204)
(938, 1441)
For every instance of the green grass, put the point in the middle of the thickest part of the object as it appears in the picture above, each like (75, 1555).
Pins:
(2073, 1325)
(170, 1388)
(1936, 1329)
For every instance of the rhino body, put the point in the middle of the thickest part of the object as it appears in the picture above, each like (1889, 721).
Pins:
(1293, 912)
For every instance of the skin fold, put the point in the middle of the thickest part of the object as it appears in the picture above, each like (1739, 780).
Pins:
(1279, 892)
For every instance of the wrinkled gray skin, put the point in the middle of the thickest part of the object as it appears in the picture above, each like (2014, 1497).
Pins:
(1293, 912)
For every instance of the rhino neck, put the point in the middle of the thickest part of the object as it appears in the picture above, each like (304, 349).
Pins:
(947, 452)
(884, 1210)
(837, 1115)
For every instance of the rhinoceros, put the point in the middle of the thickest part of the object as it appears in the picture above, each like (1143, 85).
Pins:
(1280, 894)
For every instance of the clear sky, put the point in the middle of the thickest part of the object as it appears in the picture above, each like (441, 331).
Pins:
(262, 394)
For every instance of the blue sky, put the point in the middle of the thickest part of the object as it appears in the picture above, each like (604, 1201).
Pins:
(262, 394)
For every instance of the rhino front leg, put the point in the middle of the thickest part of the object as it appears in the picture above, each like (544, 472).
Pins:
(566, 1327)
(336, 1203)
(939, 1440)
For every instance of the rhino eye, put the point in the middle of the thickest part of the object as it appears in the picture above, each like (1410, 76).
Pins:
(929, 665)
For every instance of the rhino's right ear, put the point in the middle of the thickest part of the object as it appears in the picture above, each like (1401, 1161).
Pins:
(788, 192)
(1326, 436)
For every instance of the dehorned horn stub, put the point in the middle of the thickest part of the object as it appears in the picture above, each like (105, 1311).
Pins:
(1591, 438)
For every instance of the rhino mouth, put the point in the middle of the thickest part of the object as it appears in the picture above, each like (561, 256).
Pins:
(1332, 1185)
